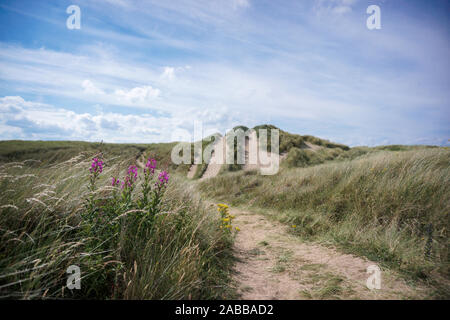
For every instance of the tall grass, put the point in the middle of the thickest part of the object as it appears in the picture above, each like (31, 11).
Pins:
(43, 230)
(379, 205)
(53, 152)
(290, 140)
(297, 158)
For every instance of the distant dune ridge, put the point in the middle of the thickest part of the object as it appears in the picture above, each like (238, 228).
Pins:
(253, 152)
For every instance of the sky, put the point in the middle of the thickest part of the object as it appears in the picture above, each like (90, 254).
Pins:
(145, 71)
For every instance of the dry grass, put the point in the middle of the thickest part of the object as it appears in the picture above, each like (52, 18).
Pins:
(42, 233)
(379, 205)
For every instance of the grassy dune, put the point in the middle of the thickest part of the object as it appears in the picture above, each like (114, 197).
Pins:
(388, 203)
(379, 205)
(51, 152)
(43, 231)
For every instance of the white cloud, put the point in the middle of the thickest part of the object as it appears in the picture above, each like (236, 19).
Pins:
(252, 95)
(138, 95)
(337, 7)
(31, 120)
(168, 73)
(291, 66)
(90, 88)
(21, 119)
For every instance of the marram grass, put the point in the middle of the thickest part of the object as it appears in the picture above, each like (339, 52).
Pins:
(379, 205)
(44, 230)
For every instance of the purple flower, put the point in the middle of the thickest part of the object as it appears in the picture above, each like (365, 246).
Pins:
(150, 166)
(133, 171)
(115, 182)
(127, 183)
(131, 177)
(163, 179)
(96, 166)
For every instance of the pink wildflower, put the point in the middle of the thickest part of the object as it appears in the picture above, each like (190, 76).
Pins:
(115, 182)
(133, 171)
(150, 166)
(96, 166)
(163, 179)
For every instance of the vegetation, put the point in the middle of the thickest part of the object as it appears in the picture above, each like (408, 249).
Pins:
(293, 144)
(112, 210)
(304, 157)
(380, 205)
(201, 168)
(137, 236)
(301, 157)
(289, 140)
(226, 218)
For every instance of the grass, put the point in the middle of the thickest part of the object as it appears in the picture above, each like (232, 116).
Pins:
(289, 140)
(325, 285)
(282, 261)
(293, 144)
(52, 152)
(195, 154)
(328, 288)
(388, 203)
(298, 158)
(378, 205)
(44, 228)
(312, 266)
(301, 157)
(278, 268)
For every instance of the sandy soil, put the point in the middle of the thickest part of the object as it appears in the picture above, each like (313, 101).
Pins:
(313, 147)
(216, 162)
(274, 264)
(252, 161)
(192, 171)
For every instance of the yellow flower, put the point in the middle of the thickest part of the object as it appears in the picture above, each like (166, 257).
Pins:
(237, 229)
(228, 226)
(222, 205)
(294, 226)
(226, 219)
(232, 217)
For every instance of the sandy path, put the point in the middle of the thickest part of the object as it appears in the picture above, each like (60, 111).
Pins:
(253, 154)
(192, 170)
(252, 161)
(313, 147)
(273, 264)
(216, 161)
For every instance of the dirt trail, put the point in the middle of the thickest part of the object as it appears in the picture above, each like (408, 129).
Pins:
(252, 158)
(273, 264)
(216, 161)
(251, 152)
(259, 159)
(311, 146)
(192, 170)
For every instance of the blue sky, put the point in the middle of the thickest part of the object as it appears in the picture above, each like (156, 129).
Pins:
(143, 71)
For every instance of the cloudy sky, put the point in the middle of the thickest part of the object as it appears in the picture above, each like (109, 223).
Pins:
(139, 71)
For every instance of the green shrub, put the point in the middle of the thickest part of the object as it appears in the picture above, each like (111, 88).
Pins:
(297, 158)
